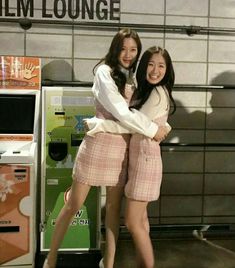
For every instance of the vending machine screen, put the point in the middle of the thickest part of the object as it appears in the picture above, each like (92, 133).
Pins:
(17, 113)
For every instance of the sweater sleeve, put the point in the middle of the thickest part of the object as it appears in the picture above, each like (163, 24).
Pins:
(106, 92)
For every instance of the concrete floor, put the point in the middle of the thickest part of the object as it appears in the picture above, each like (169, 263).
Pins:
(171, 251)
(182, 253)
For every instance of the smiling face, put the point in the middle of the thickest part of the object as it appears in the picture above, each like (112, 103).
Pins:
(128, 53)
(156, 69)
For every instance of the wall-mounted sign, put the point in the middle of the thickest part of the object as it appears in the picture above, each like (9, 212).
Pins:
(108, 10)
(20, 72)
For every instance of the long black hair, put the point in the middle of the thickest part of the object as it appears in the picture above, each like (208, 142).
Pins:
(144, 88)
(112, 57)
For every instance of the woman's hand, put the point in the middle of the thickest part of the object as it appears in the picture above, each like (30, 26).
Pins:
(162, 133)
(85, 125)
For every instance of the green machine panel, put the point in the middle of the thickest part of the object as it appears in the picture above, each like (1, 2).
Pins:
(63, 110)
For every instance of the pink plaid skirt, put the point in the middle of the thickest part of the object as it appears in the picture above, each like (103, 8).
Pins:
(102, 160)
(145, 169)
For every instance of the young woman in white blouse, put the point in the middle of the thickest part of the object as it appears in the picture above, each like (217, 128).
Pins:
(102, 160)
(155, 79)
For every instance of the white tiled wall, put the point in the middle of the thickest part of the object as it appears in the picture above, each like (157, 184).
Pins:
(187, 8)
(199, 182)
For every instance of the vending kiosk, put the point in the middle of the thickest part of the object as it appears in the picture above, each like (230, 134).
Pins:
(63, 110)
(19, 117)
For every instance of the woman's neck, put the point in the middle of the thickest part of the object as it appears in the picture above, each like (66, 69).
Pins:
(128, 74)
(125, 71)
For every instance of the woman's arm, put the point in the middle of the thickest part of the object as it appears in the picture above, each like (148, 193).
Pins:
(95, 125)
(106, 92)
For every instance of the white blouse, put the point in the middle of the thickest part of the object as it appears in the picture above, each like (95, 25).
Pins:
(106, 92)
(156, 106)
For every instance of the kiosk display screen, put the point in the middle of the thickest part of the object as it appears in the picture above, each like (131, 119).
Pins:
(17, 113)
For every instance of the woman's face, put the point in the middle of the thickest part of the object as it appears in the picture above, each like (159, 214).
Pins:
(156, 69)
(128, 53)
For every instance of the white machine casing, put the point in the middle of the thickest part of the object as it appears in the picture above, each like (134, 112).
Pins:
(18, 172)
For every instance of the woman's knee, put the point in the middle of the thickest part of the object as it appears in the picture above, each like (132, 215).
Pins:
(135, 224)
(135, 215)
(131, 224)
(71, 208)
(76, 197)
(112, 213)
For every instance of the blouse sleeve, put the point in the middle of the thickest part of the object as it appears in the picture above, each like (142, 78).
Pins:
(96, 125)
(106, 92)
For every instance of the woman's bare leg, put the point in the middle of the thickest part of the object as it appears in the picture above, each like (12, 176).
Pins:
(77, 197)
(147, 228)
(138, 226)
(112, 221)
(146, 220)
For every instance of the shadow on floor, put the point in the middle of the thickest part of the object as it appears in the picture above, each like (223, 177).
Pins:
(187, 253)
